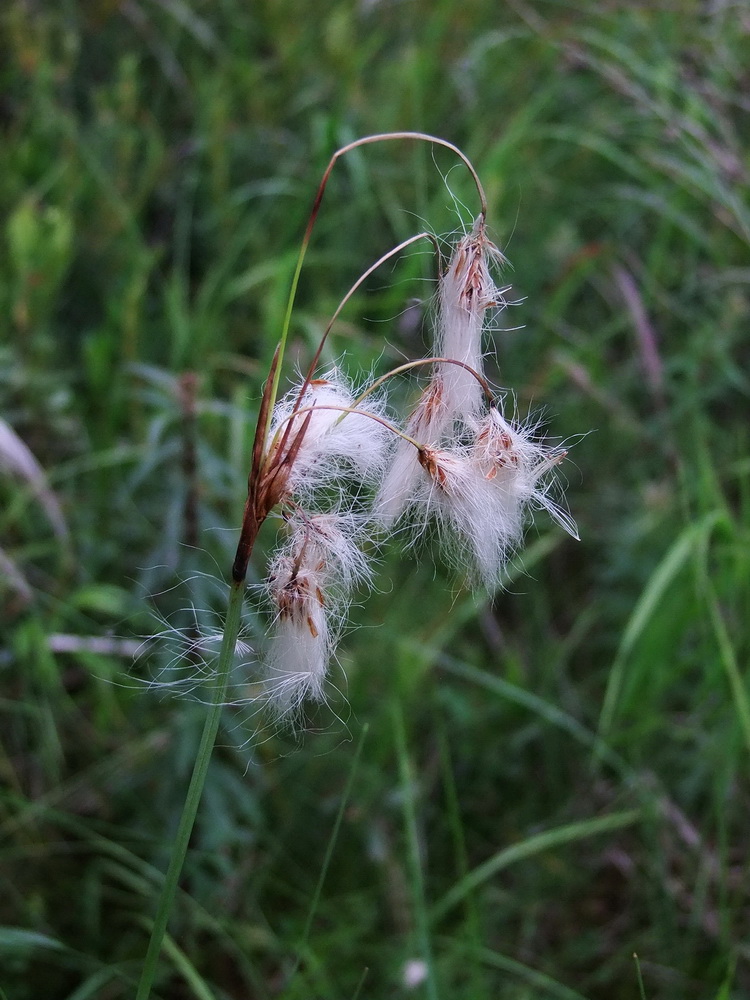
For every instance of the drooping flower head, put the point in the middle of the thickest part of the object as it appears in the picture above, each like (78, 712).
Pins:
(467, 291)
(426, 425)
(455, 393)
(344, 472)
(480, 494)
(300, 643)
(310, 584)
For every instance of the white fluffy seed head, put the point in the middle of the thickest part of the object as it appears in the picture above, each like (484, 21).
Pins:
(335, 442)
(426, 425)
(331, 543)
(296, 665)
(309, 586)
(467, 291)
(479, 494)
(299, 647)
(515, 461)
(454, 396)
(399, 485)
(479, 523)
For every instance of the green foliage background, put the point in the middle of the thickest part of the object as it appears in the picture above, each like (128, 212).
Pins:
(545, 783)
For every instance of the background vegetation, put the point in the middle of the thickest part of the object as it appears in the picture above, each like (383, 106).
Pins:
(524, 791)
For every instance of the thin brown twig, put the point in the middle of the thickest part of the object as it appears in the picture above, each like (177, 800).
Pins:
(357, 284)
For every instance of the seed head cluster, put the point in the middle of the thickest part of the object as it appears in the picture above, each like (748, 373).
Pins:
(346, 472)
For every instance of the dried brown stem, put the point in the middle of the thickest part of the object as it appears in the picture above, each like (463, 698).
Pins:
(357, 284)
(430, 361)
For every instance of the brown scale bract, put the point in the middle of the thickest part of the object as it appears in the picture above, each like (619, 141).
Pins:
(470, 267)
(294, 599)
(430, 462)
(497, 451)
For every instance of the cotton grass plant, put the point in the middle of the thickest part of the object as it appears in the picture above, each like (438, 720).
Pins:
(340, 471)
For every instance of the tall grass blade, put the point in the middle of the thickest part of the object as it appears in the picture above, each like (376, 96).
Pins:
(539, 706)
(93, 985)
(557, 837)
(195, 790)
(195, 982)
(729, 661)
(539, 980)
(407, 778)
(641, 988)
(329, 851)
(683, 549)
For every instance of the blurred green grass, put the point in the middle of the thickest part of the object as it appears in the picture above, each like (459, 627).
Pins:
(567, 764)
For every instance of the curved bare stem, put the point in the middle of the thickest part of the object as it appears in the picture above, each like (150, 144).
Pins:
(351, 409)
(428, 361)
(357, 284)
(416, 136)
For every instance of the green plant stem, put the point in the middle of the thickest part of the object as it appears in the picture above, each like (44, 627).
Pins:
(329, 854)
(194, 793)
(406, 774)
